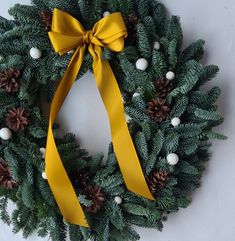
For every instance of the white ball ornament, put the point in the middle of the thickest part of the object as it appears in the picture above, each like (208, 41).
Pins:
(1, 58)
(118, 200)
(175, 121)
(35, 53)
(172, 159)
(5, 134)
(170, 75)
(128, 118)
(157, 45)
(42, 151)
(106, 13)
(71, 52)
(142, 64)
(44, 175)
(136, 95)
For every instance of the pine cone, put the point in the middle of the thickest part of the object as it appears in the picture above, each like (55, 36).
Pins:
(131, 22)
(158, 109)
(46, 17)
(80, 179)
(157, 180)
(6, 180)
(97, 197)
(17, 119)
(10, 80)
(162, 87)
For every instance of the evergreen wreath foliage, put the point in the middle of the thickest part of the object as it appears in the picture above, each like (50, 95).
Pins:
(36, 209)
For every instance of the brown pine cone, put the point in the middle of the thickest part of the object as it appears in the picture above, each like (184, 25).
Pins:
(17, 119)
(162, 87)
(97, 197)
(157, 109)
(46, 17)
(131, 22)
(157, 180)
(10, 80)
(6, 180)
(81, 178)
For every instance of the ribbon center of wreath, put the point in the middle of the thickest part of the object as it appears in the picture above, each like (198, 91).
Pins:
(68, 33)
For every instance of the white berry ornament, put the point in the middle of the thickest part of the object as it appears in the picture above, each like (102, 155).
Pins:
(118, 200)
(106, 13)
(42, 151)
(170, 75)
(35, 53)
(128, 118)
(156, 45)
(44, 176)
(175, 121)
(136, 95)
(5, 134)
(172, 159)
(71, 52)
(142, 64)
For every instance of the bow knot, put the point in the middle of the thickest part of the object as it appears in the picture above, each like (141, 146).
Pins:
(87, 37)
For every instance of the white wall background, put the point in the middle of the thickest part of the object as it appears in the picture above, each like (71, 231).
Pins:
(211, 216)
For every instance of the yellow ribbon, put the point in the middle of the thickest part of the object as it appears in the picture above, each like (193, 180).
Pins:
(67, 34)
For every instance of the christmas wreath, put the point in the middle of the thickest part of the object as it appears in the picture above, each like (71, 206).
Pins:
(158, 151)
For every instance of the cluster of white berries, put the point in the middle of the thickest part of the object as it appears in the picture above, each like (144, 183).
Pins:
(142, 64)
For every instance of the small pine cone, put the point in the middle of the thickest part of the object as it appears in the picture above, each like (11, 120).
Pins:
(46, 17)
(10, 80)
(17, 119)
(6, 180)
(131, 22)
(81, 178)
(157, 180)
(97, 197)
(157, 109)
(162, 87)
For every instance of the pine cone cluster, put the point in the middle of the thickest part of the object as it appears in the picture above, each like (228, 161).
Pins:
(46, 17)
(10, 80)
(157, 109)
(131, 22)
(97, 197)
(157, 180)
(162, 87)
(6, 180)
(17, 119)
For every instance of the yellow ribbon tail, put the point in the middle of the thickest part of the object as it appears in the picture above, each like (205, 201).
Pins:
(122, 142)
(57, 177)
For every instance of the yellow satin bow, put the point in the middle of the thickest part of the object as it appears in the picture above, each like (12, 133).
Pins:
(67, 34)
